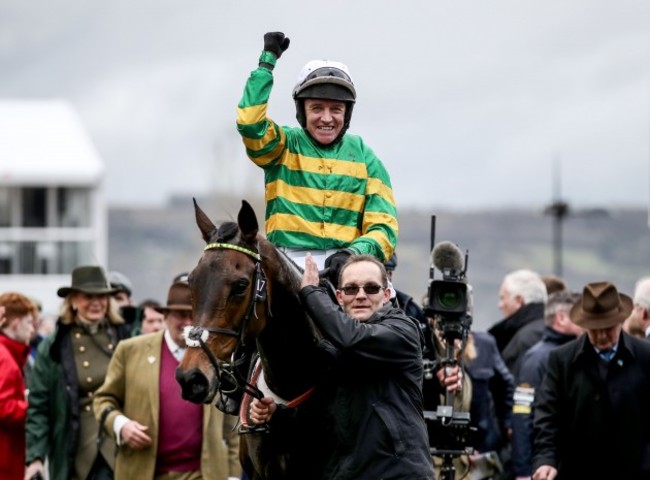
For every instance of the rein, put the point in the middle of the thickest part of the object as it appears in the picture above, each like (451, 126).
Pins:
(197, 337)
(245, 425)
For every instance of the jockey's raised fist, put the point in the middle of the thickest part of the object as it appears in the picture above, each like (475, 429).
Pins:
(276, 43)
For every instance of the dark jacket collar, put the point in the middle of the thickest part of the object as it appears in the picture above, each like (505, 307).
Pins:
(525, 315)
(556, 337)
(504, 330)
(586, 349)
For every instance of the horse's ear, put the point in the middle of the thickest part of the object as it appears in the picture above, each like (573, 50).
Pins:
(205, 224)
(247, 221)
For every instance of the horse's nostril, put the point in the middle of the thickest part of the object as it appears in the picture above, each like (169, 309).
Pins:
(194, 385)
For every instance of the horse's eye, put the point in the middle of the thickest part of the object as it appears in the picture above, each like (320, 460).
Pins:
(239, 288)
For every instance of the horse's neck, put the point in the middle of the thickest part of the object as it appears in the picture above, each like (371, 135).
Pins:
(288, 369)
(286, 344)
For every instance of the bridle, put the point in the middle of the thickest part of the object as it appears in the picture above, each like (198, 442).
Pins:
(196, 336)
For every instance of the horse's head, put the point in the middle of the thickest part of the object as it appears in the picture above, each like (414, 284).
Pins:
(225, 286)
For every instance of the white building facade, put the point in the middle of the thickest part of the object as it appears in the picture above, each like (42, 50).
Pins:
(53, 214)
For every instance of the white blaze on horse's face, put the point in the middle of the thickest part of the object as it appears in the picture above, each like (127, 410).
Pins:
(362, 305)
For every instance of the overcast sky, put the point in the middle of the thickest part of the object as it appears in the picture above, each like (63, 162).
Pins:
(468, 104)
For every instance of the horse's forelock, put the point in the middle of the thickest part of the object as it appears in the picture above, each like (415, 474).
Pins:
(227, 231)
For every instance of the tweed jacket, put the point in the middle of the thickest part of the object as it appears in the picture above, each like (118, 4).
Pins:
(132, 389)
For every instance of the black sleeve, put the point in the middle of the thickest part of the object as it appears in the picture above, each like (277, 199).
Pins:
(547, 416)
(395, 339)
(503, 389)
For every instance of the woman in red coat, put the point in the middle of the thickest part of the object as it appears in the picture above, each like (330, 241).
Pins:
(17, 317)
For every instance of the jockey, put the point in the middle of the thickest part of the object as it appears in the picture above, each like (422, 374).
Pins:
(326, 191)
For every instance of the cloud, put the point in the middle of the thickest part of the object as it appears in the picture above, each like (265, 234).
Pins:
(468, 104)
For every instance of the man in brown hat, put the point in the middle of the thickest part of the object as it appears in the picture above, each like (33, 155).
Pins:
(591, 417)
(159, 434)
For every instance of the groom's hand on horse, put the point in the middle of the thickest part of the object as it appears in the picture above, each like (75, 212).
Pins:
(310, 275)
(262, 410)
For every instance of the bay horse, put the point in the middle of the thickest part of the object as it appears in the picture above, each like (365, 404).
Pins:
(244, 297)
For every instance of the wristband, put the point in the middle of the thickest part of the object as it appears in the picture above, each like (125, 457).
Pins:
(268, 58)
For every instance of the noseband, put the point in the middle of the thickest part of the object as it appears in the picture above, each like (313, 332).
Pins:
(196, 336)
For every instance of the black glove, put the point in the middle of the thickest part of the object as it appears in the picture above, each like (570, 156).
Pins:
(334, 263)
(276, 43)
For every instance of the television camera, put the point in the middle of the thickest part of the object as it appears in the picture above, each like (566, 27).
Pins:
(448, 303)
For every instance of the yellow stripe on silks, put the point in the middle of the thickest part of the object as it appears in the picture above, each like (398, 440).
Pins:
(314, 196)
(341, 232)
(294, 223)
(257, 145)
(251, 115)
(379, 218)
(351, 169)
(377, 187)
(521, 409)
(295, 161)
(382, 240)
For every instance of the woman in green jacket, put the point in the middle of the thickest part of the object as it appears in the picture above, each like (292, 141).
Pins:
(71, 364)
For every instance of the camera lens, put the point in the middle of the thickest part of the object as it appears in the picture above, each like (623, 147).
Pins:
(449, 299)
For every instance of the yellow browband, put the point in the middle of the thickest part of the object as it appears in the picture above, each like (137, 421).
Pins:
(230, 246)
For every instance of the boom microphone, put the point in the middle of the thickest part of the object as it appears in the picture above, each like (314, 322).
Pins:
(447, 257)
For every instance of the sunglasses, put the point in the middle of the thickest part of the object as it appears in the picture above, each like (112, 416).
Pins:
(370, 289)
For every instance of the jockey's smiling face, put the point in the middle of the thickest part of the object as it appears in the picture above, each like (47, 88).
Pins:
(324, 118)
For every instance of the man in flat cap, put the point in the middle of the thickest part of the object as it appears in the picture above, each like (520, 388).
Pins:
(591, 416)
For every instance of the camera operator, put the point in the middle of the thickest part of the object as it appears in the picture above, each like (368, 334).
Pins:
(482, 385)
(450, 387)
(473, 422)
